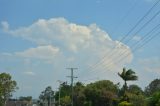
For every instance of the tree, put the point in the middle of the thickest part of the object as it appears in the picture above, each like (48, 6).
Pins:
(136, 95)
(152, 91)
(79, 96)
(65, 94)
(153, 87)
(136, 99)
(46, 96)
(127, 75)
(101, 93)
(65, 101)
(7, 87)
(135, 89)
(154, 100)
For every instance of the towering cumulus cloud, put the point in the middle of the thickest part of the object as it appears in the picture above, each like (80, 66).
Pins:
(56, 38)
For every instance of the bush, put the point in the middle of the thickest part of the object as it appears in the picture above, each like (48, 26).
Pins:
(125, 103)
(154, 100)
(136, 100)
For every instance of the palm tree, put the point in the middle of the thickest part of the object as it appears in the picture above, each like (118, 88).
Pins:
(127, 75)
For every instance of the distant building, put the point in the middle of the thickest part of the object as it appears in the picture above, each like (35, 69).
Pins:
(18, 103)
(14, 102)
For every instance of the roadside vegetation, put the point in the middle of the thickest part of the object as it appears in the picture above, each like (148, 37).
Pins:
(99, 93)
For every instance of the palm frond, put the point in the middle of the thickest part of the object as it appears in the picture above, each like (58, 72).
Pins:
(130, 72)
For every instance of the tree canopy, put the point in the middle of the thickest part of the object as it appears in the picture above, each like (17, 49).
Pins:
(153, 87)
(127, 75)
(7, 87)
(46, 96)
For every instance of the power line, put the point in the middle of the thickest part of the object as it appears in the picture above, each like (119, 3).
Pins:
(144, 25)
(148, 37)
(140, 21)
(103, 58)
(125, 16)
(128, 12)
(144, 39)
(147, 41)
(138, 47)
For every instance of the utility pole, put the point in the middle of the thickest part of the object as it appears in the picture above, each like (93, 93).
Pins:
(60, 82)
(72, 77)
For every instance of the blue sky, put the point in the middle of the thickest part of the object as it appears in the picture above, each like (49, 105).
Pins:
(39, 39)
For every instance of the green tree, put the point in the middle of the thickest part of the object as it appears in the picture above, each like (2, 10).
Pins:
(127, 75)
(79, 96)
(65, 101)
(7, 87)
(136, 99)
(101, 93)
(46, 96)
(65, 92)
(154, 100)
(135, 89)
(136, 95)
(153, 87)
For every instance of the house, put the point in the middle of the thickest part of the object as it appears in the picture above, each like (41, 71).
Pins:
(18, 103)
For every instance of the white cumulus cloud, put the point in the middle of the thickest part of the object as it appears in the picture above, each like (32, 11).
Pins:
(41, 52)
(81, 44)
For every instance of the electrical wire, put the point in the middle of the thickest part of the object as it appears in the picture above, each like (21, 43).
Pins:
(103, 58)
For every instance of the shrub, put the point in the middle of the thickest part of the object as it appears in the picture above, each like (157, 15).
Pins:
(154, 100)
(125, 103)
(136, 100)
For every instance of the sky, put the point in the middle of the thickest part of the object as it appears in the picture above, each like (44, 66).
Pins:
(40, 39)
